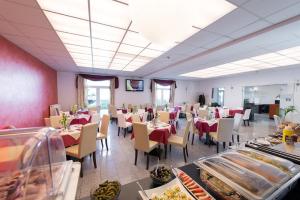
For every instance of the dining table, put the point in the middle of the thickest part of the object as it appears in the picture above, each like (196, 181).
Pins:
(80, 119)
(206, 126)
(71, 135)
(159, 132)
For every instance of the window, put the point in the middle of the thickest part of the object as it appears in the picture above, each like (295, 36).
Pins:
(162, 94)
(98, 93)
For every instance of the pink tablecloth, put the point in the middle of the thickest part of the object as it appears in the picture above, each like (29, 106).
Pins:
(232, 112)
(203, 127)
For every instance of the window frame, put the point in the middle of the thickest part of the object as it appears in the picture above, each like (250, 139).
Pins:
(86, 86)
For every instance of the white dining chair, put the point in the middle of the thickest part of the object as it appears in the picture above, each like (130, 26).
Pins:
(277, 121)
(141, 111)
(103, 130)
(142, 142)
(95, 118)
(145, 117)
(181, 141)
(164, 116)
(202, 113)
(123, 124)
(113, 113)
(236, 126)
(55, 121)
(246, 116)
(224, 132)
(135, 118)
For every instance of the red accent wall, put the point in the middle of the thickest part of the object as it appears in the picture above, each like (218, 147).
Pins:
(27, 87)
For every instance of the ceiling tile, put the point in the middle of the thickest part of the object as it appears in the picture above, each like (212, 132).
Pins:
(284, 14)
(8, 28)
(68, 38)
(37, 32)
(217, 42)
(105, 45)
(23, 14)
(264, 8)
(130, 49)
(201, 38)
(135, 39)
(31, 3)
(256, 26)
(233, 21)
(238, 2)
(104, 53)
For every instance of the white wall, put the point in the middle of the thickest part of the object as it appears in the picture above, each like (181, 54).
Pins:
(234, 84)
(187, 91)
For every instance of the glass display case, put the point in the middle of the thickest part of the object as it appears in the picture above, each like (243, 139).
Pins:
(33, 165)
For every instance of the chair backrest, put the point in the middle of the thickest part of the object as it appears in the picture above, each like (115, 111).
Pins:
(204, 107)
(113, 111)
(87, 140)
(188, 108)
(277, 121)
(47, 121)
(237, 121)
(226, 111)
(95, 118)
(55, 121)
(136, 118)
(104, 124)
(186, 131)
(129, 106)
(188, 116)
(141, 137)
(164, 116)
(177, 115)
(203, 114)
(196, 106)
(225, 129)
(145, 116)
(247, 114)
(121, 120)
(141, 111)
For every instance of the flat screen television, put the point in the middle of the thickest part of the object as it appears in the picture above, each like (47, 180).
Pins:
(134, 85)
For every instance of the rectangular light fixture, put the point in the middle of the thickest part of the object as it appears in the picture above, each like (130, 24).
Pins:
(68, 24)
(124, 48)
(264, 61)
(107, 32)
(110, 12)
(68, 38)
(103, 53)
(105, 45)
(78, 49)
(77, 8)
(135, 39)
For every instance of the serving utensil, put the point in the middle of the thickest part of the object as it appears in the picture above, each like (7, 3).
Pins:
(143, 191)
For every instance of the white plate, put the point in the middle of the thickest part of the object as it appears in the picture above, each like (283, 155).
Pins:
(160, 190)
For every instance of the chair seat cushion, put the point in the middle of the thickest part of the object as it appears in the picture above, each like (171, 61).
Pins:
(176, 140)
(101, 136)
(73, 151)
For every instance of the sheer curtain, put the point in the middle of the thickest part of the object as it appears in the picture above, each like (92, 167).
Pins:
(112, 91)
(172, 94)
(153, 92)
(81, 92)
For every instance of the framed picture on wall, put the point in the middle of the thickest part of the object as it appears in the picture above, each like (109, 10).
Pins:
(134, 85)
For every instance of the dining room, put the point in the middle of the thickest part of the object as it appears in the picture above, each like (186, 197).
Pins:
(140, 99)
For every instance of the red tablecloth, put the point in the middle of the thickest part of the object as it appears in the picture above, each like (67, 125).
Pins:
(160, 135)
(232, 112)
(69, 140)
(203, 127)
(173, 115)
(83, 112)
(217, 114)
(82, 121)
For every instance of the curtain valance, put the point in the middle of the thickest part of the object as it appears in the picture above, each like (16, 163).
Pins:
(162, 82)
(92, 77)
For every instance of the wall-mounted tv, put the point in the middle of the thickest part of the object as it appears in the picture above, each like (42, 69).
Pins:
(134, 85)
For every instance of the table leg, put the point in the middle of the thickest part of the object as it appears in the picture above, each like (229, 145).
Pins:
(166, 149)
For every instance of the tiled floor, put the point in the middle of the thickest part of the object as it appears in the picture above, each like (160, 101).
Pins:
(118, 162)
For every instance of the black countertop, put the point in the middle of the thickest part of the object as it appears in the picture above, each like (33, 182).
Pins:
(130, 191)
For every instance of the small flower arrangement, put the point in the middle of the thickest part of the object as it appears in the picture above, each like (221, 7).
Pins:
(74, 109)
(64, 120)
(289, 109)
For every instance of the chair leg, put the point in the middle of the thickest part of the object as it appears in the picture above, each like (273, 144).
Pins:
(232, 138)
(119, 131)
(94, 160)
(193, 139)
(170, 147)
(81, 170)
(159, 151)
(101, 143)
(186, 150)
(217, 147)
(224, 145)
(189, 136)
(238, 138)
(166, 149)
(106, 144)
(147, 161)
(244, 122)
(184, 154)
(229, 143)
(248, 122)
(125, 131)
(136, 155)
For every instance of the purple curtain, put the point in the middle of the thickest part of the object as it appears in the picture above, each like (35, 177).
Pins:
(99, 78)
(163, 82)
